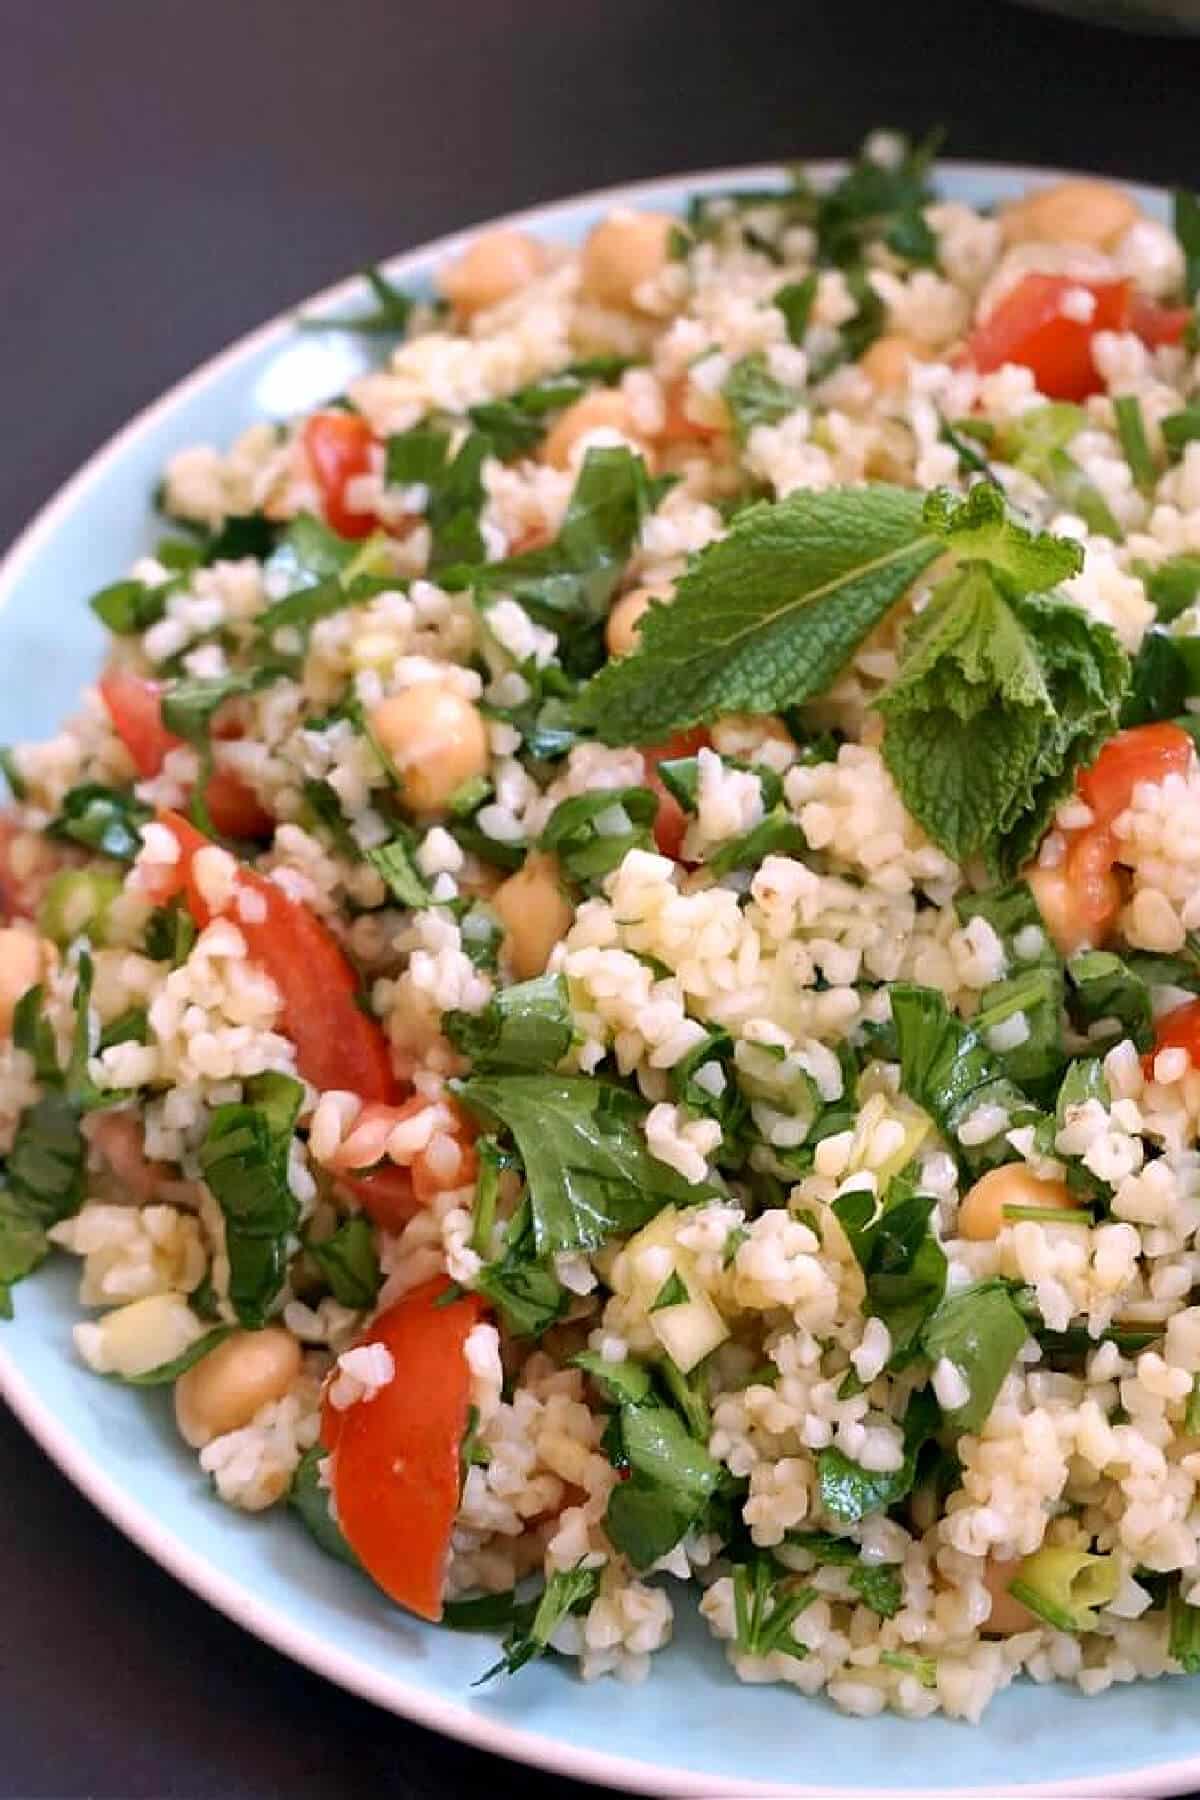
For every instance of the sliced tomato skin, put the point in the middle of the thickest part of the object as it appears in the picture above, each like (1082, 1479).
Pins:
(1143, 753)
(1028, 326)
(135, 707)
(395, 1458)
(337, 1045)
(385, 1194)
(338, 445)
(1177, 1030)
(1157, 325)
(670, 821)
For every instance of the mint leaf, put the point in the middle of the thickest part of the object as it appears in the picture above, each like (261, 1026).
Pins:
(589, 1171)
(767, 616)
(980, 527)
(1000, 698)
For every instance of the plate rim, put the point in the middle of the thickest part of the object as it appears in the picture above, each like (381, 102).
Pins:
(393, 1692)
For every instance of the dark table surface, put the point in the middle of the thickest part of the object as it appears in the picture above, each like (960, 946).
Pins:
(170, 175)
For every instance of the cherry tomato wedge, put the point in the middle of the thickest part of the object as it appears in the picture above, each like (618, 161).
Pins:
(135, 707)
(1155, 324)
(1033, 325)
(1176, 1030)
(1145, 753)
(670, 822)
(385, 1194)
(338, 445)
(337, 1045)
(395, 1458)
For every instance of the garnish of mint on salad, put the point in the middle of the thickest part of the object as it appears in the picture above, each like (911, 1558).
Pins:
(606, 985)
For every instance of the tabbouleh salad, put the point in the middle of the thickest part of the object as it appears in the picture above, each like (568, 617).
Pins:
(607, 982)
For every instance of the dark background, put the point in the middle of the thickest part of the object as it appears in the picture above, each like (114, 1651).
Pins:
(173, 173)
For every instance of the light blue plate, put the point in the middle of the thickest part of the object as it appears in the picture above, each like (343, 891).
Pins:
(691, 1729)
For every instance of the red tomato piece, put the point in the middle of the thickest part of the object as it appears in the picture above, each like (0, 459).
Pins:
(385, 1194)
(338, 445)
(670, 822)
(1144, 753)
(1176, 1030)
(1095, 889)
(135, 707)
(337, 1044)
(1156, 324)
(395, 1458)
(1029, 326)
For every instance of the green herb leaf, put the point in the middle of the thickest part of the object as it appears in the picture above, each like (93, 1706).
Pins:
(592, 833)
(949, 1073)
(589, 1171)
(999, 699)
(849, 1492)
(244, 1160)
(387, 318)
(170, 934)
(980, 1331)
(518, 424)
(188, 704)
(795, 301)
(671, 1482)
(902, 1261)
(755, 397)
(522, 1283)
(980, 528)
(567, 1591)
(1161, 678)
(1036, 994)
(766, 1606)
(524, 1029)
(566, 586)
(767, 616)
(349, 1263)
(1131, 429)
(311, 1501)
(775, 835)
(879, 1586)
(396, 862)
(1173, 586)
(131, 607)
(179, 1365)
(1105, 988)
(1179, 429)
(102, 818)
(455, 484)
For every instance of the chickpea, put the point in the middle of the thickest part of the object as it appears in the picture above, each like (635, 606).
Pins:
(22, 964)
(605, 409)
(1075, 212)
(436, 739)
(535, 914)
(621, 253)
(981, 1213)
(1007, 1616)
(225, 1389)
(624, 624)
(887, 361)
(1059, 900)
(495, 265)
